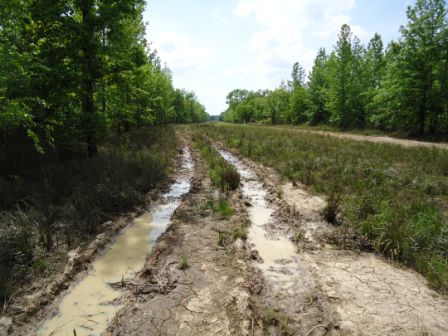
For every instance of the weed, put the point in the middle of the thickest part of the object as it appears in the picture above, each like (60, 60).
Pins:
(222, 174)
(271, 316)
(284, 325)
(183, 264)
(229, 177)
(240, 232)
(332, 207)
(224, 209)
(298, 237)
(280, 193)
(222, 239)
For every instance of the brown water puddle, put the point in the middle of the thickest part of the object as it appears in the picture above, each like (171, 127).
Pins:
(89, 305)
(280, 263)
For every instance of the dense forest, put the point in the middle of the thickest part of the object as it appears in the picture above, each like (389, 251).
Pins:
(402, 87)
(72, 71)
(83, 104)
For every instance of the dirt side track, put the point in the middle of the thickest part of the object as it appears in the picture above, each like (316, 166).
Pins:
(368, 138)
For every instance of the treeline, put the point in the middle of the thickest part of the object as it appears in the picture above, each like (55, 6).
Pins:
(402, 88)
(74, 71)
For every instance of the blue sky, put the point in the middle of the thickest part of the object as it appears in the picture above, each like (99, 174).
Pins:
(213, 47)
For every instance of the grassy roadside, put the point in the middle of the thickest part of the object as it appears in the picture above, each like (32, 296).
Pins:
(49, 206)
(395, 197)
(363, 132)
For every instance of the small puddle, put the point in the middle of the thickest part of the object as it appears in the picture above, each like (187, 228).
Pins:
(89, 305)
(280, 265)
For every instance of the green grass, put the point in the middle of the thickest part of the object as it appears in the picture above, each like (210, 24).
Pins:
(220, 206)
(222, 174)
(240, 232)
(183, 263)
(395, 197)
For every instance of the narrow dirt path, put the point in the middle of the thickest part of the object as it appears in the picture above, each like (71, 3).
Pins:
(368, 138)
(354, 293)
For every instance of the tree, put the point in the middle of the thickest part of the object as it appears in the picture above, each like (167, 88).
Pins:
(318, 86)
(72, 71)
(424, 58)
(374, 72)
(298, 75)
(339, 75)
(245, 112)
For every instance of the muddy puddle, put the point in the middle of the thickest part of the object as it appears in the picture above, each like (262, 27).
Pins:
(280, 264)
(90, 304)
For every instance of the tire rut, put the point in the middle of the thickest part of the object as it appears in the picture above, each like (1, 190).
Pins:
(210, 297)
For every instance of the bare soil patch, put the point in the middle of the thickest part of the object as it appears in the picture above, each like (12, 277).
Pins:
(372, 295)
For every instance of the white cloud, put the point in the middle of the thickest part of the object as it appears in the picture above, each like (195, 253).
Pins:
(292, 30)
(181, 55)
(218, 16)
(213, 48)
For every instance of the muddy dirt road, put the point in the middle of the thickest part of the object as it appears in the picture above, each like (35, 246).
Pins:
(267, 285)
(209, 296)
(282, 278)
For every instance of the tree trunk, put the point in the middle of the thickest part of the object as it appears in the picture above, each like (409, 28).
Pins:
(103, 98)
(422, 110)
(433, 122)
(90, 75)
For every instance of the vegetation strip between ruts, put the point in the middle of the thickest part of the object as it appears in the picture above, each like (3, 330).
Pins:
(394, 198)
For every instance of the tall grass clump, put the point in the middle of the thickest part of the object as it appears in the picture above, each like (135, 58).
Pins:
(53, 202)
(394, 197)
(222, 174)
